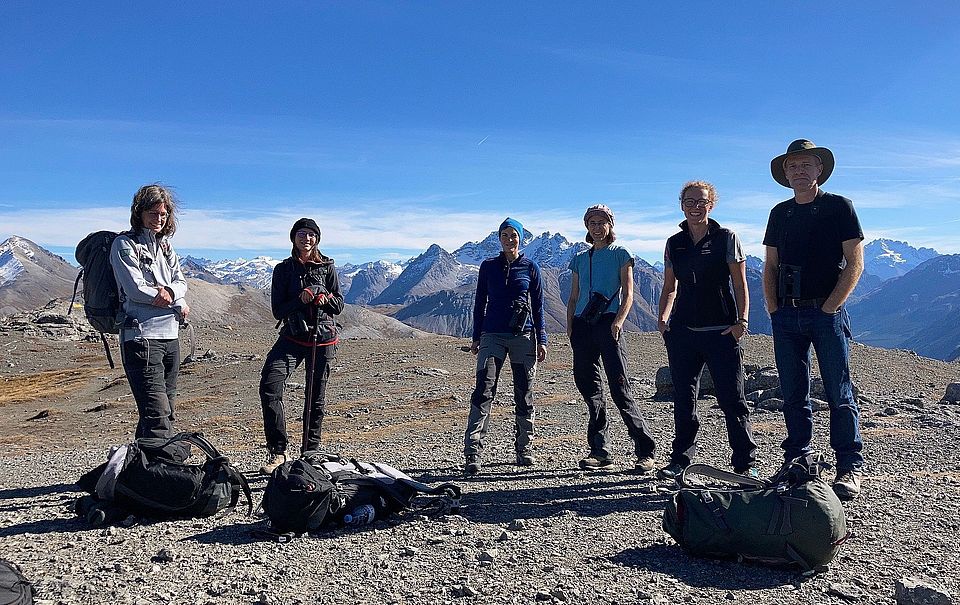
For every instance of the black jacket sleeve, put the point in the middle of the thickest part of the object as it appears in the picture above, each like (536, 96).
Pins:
(334, 303)
(480, 300)
(285, 291)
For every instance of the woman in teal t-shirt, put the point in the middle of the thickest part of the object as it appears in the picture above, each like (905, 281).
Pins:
(601, 295)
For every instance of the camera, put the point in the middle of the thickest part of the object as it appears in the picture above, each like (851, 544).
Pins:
(519, 316)
(788, 283)
(596, 307)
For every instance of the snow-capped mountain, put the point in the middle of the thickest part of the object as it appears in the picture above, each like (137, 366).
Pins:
(31, 276)
(474, 253)
(10, 265)
(547, 249)
(368, 280)
(919, 310)
(553, 250)
(754, 262)
(256, 272)
(434, 270)
(887, 258)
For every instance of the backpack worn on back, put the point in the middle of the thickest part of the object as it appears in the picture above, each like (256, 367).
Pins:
(150, 478)
(792, 519)
(14, 588)
(320, 490)
(101, 296)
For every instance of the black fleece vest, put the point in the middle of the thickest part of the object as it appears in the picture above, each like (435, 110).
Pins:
(705, 294)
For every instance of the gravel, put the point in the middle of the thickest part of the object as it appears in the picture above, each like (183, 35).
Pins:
(547, 534)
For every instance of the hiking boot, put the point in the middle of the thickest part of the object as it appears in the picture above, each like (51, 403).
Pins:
(747, 471)
(593, 462)
(643, 465)
(847, 484)
(273, 461)
(96, 517)
(472, 466)
(671, 471)
(526, 459)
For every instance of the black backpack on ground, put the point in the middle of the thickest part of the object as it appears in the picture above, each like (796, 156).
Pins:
(14, 588)
(319, 490)
(150, 478)
(101, 296)
(299, 496)
(794, 518)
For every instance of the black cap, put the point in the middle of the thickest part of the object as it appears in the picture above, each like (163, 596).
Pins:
(304, 223)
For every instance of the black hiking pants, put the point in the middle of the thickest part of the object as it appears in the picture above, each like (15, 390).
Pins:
(688, 352)
(152, 366)
(285, 357)
(591, 344)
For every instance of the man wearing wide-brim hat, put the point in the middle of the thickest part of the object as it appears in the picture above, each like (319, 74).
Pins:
(814, 257)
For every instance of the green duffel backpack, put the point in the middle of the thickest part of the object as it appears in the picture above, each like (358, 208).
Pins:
(794, 518)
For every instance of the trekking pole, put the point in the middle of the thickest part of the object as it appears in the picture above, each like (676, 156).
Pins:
(193, 337)
(308, 389)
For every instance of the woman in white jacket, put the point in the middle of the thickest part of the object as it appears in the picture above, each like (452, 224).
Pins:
(152, 289)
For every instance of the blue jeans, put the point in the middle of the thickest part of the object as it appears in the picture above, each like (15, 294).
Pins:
(794, 331)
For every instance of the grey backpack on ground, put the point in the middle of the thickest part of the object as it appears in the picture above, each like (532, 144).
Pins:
(792, 519)
(15, 589)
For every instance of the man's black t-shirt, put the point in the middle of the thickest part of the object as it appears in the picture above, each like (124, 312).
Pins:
(811, 236)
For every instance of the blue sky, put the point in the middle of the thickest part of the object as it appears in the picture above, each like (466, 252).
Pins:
(398, 125)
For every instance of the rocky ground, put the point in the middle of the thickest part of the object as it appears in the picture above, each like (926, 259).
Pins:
(552, 533)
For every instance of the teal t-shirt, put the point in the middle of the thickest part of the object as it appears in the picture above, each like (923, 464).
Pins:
(605, 270)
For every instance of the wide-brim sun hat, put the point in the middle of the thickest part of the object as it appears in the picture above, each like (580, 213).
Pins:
(805, 147)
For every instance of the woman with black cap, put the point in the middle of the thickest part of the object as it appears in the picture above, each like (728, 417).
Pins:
(305, 295)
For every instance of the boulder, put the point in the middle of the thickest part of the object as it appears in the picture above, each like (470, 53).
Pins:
(912, 591)
(664, 383)
(952, 394)
(765, 378)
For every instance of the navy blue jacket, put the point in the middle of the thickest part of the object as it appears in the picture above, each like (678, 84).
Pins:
(498, 285)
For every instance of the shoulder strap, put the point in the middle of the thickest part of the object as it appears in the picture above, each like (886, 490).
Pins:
(705, 470)
(236, 477)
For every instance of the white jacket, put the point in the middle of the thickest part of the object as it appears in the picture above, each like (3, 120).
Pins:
(141, 264)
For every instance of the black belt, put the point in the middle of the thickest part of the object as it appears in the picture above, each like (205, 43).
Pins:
(802, 302)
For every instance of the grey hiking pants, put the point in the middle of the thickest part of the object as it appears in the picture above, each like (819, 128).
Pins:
(152, 366)
(494, 349)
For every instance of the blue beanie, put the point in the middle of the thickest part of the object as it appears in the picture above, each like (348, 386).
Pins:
(511, 222)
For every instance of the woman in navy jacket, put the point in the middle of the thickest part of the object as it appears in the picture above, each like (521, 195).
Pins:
(507, 320)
